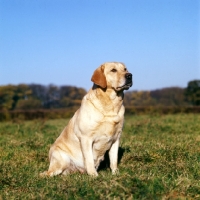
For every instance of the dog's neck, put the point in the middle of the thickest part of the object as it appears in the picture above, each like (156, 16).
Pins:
(108, 101)
(110, 92)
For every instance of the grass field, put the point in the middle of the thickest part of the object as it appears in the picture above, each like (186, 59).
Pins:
(159, 158)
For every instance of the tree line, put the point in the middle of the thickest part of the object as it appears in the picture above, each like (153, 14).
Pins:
(172, 96)
(36, 96)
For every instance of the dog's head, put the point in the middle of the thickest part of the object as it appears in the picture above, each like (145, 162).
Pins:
(112, 75)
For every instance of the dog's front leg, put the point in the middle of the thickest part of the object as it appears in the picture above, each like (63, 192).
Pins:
(113, 155)
(86, 146)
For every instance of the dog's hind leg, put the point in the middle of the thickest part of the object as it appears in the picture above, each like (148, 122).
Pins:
(59, 163)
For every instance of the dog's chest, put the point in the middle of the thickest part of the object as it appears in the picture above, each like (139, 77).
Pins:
(106, 135)
(109, 128)
(103, 142)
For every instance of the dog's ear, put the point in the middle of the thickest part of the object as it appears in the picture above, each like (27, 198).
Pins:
(99, 78)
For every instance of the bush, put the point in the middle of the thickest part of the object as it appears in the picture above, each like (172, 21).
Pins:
(28, 104)
(69, 112)
(37, 114)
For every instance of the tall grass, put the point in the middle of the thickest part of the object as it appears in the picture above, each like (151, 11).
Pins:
(159, 158)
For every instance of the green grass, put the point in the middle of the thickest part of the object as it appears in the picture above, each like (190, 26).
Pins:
(159, 158)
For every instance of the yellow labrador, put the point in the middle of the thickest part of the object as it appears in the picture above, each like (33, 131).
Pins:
(95, 127)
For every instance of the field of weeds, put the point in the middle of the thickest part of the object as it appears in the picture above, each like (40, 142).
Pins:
(159, 158)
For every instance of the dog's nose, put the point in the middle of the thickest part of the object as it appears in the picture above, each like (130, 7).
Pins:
(128, 76)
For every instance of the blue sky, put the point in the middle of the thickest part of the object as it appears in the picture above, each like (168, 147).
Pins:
(62, 42)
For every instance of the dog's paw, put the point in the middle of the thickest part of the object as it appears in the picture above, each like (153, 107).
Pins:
(115, 171)
(43, 174)
(93, 174)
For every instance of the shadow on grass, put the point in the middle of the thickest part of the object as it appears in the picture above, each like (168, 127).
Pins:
(106, 162)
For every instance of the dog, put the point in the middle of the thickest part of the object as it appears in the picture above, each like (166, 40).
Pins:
(96, 126)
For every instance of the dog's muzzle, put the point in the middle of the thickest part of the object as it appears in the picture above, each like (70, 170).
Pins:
(128, 77)
(128, 83)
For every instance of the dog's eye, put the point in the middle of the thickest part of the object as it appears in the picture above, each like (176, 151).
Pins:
(125, 69)
(113, 70)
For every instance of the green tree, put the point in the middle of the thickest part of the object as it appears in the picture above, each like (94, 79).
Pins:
(11, 94)
(192, 92)
(22, 92)
(6, 97)
(26, 104)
